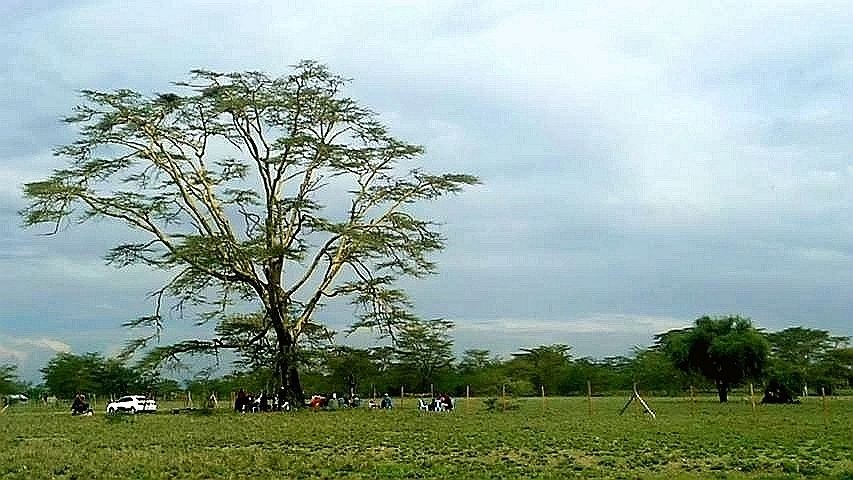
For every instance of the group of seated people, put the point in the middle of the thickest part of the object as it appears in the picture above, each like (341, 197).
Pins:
(248, 403)
(334, 401)
(80, 406)
(385, 403)
(440, 403)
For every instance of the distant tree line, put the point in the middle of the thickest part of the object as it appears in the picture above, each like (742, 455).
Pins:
(68, 374)
(715, 354)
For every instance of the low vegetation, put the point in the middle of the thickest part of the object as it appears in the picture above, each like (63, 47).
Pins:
(557, 439)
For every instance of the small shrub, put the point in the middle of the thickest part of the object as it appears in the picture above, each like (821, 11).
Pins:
(496, 405)
(119, 418)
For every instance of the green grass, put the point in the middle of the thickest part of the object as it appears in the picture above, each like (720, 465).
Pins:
(707, 440)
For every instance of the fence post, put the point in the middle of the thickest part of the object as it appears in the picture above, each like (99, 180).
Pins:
(692, 400)
(467, 396)
(589, 396)
(752, 397)
(542, 387)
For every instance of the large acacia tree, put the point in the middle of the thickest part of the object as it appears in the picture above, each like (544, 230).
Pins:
(282, 192)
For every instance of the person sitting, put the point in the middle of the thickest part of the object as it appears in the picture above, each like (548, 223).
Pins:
(212, 402)
(447, 403)
(372, 403)
(264, 402)
(80, 406)
(317, 402)
(386, 402)
(422, 406)
(280, 401)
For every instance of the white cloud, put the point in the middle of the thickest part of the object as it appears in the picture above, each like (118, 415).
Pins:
(41, 343)
(825, 255)
(12, 354)
(598, 323)
(22, 348)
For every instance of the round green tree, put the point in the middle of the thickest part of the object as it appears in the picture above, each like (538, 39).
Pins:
(725, 350)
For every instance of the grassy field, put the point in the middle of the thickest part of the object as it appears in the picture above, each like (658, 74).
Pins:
(562, 440)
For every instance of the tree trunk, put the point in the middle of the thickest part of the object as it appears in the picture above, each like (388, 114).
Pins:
(723, 391)
(288, 368)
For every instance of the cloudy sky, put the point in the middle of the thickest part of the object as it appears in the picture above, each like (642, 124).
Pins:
(643, 163)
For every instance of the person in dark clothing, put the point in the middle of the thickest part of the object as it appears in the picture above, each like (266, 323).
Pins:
(241, 403)
(80, 406)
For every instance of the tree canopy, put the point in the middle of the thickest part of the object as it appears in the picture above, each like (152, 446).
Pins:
(546, 365)
(801, 356)
(277, 192)
(9, 382)
(424, 350)
(726, 350)
(67, 374)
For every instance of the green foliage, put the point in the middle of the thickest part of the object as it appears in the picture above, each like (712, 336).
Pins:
(494, 404)
(655, 372)
(424, 350)
(782, 385)
(9, 382)
(607, 375)
(838, 364)
(67, 374)
(802, 358)
(481, 372)
(545, 365)
(801, 347)
(726, 350)
(351, 369)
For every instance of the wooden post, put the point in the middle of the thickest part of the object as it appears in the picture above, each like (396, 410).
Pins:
(542, 387)
(752, 397)
(636, 394)
(467, 397)
(589, 396)
(373, 387)
(402, 394)
(825, 407)
(431, 391)
(692, 400)
(503, 397)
